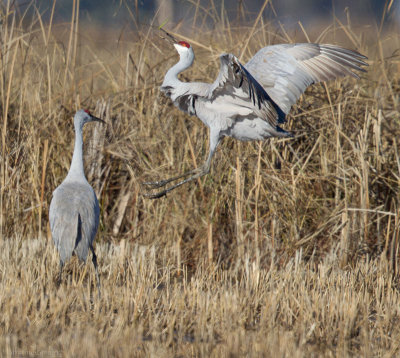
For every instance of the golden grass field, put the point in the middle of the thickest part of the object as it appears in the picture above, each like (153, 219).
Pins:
(287, 248)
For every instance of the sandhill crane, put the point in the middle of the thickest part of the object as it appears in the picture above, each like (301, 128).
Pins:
(249, 102)
(74, 209)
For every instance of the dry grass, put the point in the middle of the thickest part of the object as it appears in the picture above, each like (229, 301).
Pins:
(147, 309)
(288, 247)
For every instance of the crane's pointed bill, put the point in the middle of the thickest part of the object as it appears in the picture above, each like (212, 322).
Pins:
(169, 37)
(96, 119)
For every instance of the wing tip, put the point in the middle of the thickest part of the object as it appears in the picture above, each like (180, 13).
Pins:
(283, 133)
(345, 50)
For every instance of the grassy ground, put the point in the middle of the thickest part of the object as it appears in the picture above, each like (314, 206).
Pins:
(288, 247)
(147, 309)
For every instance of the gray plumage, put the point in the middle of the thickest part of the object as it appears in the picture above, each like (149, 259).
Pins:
(74, 209)
(249, 102)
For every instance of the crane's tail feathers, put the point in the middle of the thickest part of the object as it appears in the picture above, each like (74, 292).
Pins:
(280, 132)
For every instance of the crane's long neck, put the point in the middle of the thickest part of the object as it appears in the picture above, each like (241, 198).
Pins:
(171, 77)
(76, 171)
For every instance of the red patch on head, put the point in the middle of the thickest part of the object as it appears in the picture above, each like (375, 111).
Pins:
(184, 44)
(87, 111)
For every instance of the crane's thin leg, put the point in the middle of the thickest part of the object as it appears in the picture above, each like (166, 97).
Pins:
(203, 170)
(60, 273)
(161, 183)
(195, 173)
(94, 260)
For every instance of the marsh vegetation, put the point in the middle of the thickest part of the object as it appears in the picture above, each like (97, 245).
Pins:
(288, 247)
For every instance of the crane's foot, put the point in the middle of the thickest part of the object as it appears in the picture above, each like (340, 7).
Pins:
(156, 195)
(198, 173)
(161, 183)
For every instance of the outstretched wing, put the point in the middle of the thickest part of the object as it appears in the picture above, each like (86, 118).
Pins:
(286, 70)
(238, 91)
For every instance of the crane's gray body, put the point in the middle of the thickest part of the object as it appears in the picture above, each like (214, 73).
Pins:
(74, 218)
(249, 102)
(74, 209)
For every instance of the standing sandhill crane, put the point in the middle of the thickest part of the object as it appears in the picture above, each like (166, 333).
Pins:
(74, 209)
(250, 102)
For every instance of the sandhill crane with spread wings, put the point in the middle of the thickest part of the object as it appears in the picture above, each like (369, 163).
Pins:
(251, 101)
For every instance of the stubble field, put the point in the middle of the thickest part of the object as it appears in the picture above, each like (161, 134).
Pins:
(287, 248)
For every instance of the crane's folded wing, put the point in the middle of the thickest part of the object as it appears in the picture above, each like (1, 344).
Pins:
(63, 224)
(74, 218)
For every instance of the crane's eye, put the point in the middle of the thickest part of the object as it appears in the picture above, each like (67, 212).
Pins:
(184, 44)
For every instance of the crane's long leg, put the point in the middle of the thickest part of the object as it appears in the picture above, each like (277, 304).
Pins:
(60, 273)
(194, 174)
(203, 170)
(161, 183)
(94, 260)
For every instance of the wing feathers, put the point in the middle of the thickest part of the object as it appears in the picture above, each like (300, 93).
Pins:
(343, 61)
(286, 70)
(74, 218)
(270, 83)
(234, 76)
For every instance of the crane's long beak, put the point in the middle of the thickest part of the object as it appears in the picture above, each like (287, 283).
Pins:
(96, 119)
(168, 37)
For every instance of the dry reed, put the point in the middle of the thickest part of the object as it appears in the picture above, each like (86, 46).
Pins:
(288, 247)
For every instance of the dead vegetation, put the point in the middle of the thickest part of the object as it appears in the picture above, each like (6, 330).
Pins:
(302, 308)
(288, 247)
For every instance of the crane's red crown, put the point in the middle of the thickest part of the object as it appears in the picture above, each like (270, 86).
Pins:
(184, 44)
(87, 111)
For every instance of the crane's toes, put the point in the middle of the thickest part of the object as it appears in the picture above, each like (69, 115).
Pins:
(156, 195)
